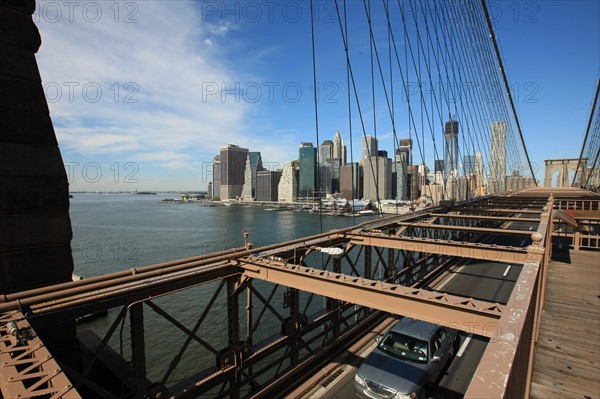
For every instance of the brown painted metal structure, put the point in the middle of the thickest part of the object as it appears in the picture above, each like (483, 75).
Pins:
(382, 267)
(24, 358)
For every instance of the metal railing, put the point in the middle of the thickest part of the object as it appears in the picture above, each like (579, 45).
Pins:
(587, 214)
(577, 205)
(506, 367)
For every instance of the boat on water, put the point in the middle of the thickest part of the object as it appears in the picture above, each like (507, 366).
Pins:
(277, 209)
(366, 212)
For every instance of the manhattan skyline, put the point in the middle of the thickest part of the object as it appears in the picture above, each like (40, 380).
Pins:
(161, 111)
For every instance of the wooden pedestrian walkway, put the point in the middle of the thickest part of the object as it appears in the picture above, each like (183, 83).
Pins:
(567, 356)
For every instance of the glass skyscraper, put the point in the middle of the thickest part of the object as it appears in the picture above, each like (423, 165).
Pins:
(308, 170)
(497, 168)
(451, 149)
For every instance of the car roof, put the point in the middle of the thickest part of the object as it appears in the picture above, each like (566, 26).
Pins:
(415, 328)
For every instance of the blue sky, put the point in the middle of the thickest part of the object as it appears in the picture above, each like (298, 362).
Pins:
(143, 94)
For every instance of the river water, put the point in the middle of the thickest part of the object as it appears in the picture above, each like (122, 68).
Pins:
(117, 232)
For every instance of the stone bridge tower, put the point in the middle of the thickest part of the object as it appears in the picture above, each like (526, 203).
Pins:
(564, 168)
(35, 229)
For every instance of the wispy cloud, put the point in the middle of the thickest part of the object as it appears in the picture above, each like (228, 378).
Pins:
(132, 85)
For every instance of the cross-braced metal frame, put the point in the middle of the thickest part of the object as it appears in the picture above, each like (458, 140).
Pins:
(286, 308)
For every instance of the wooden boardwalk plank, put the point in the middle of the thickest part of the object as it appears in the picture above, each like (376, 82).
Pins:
(567, 358)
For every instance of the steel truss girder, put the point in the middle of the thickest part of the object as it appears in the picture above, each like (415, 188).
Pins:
(511, 200)
(27, 369)
(198, 385)
(480, 217)
(466, 314)
(119, 295)
(489, 209)
(461, 249)
(486, 230)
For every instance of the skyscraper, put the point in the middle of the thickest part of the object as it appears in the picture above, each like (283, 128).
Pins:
(253, 164)
(413, 179)
(216, 178)
(351, 181)
(480, 190)
(325, 151)
(400, 187)
(405, 149)
(469, 164)
(326, 177)
(399, 180)
(267, 185)
(451, 149)
(515, 182)
(497, 178)
(438, 166)
(369, 147)
(308, 170)
(377, 183)
(233, 166)
(288, 184)
(339, 149)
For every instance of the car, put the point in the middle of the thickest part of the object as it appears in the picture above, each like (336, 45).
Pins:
(407, 361)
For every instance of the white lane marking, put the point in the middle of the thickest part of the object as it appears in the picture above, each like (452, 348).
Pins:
(506, 271)
(464, 345)
(443, 284)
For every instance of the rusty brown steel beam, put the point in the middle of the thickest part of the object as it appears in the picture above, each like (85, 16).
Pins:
(481, 217)
(444, 247)
(89, 300)
(512, 204)
(486, 230)
(126, 275)
(27, 368)
(462, 313)
(497, 210)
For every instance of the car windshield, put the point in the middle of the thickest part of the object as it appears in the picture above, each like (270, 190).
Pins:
(404, 347)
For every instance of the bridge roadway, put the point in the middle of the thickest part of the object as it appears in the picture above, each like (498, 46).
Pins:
(484, 280)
